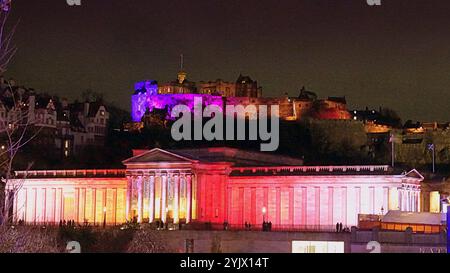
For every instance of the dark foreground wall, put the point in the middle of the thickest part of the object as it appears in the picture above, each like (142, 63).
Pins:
(281, 242)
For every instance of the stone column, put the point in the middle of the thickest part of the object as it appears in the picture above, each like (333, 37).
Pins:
(410, 201)
(188, 197)
(408, 198)
(402, 200)
(140, 188)
(129, 196)
(403, 206)
(151, 200)
(114, 213)
(176, 199)
(418, 201)
(163, 197)
(77, 205)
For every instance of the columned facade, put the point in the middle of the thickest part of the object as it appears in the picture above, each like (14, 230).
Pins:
(162, 195)
(82, 196)
(214, 186)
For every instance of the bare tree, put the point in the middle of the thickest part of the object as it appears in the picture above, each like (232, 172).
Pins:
(17, 128)
(7, 48)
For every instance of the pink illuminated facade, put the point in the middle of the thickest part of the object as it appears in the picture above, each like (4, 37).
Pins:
(80, 195)
(216, 185)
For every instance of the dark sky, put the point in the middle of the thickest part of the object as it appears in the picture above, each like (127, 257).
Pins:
(396, 55)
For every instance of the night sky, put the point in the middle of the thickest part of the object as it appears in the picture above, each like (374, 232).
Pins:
(396, 55)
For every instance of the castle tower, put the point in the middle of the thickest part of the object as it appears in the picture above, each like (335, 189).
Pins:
(181, 75)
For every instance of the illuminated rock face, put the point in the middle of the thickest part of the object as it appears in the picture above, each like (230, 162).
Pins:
(143, 102)
(216, 185)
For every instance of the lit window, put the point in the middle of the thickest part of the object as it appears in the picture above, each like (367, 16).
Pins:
(317, 247)
(435, 202)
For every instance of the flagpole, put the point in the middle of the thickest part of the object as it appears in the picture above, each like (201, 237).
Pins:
(431, 147)
(392, 150)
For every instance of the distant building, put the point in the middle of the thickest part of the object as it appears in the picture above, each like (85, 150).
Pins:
(215, 185)
(62, 126)
(218, 88)
(179, 86)
(246, 87)
(149, 95)
(88, 124)
(423, 222)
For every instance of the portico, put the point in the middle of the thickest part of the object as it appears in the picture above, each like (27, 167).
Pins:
(165, 195)
(160, 187)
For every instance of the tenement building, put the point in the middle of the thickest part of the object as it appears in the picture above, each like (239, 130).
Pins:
(214, 185)
(64, 127)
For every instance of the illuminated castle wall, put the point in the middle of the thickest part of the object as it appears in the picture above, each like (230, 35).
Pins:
(148, 96)
(215, 185)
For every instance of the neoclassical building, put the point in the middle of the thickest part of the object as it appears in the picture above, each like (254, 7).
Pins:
(213, 185)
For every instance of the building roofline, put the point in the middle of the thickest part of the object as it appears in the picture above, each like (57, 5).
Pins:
(74, 173)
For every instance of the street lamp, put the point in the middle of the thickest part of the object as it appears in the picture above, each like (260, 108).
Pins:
(264, 210)
(104, 217)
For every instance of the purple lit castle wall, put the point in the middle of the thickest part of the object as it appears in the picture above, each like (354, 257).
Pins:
(146, 97)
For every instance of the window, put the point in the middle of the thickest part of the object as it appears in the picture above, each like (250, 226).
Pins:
(317, 247)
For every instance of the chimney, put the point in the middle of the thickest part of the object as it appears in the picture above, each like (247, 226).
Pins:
(86, 109)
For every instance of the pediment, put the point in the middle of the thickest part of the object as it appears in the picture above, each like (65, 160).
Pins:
(157, 156)
(414, 174)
